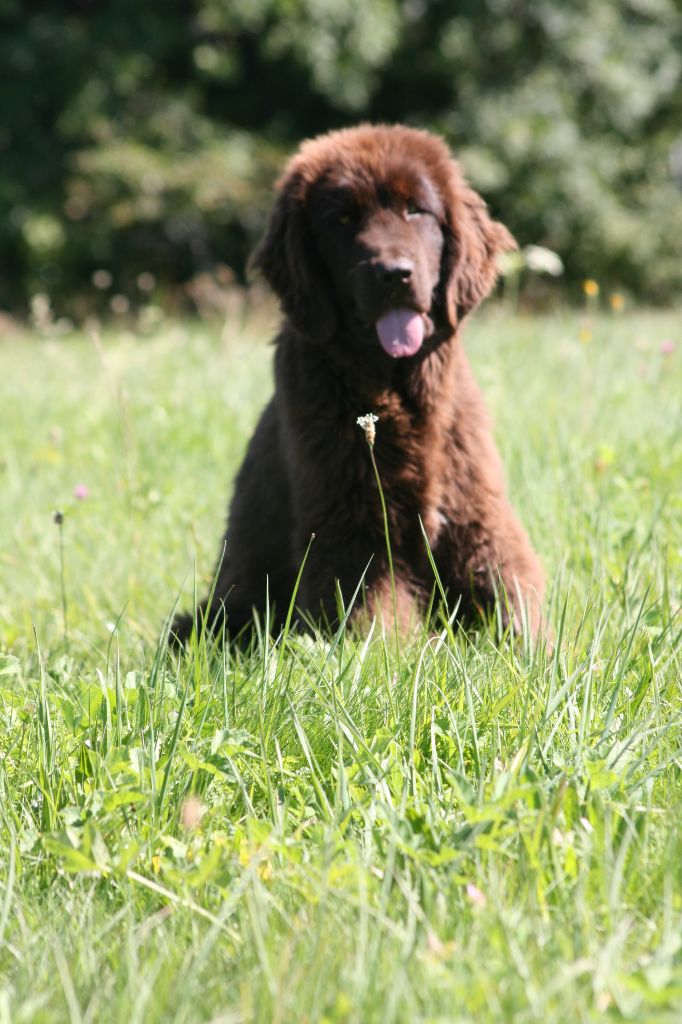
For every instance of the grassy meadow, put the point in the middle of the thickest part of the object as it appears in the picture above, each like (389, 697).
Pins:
(327, 829)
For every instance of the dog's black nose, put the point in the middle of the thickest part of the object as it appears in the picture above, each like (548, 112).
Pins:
(396, 272)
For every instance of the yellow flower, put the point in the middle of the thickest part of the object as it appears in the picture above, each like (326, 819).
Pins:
(591, 288)
(617, 302)
(585, 335)
(156, 864)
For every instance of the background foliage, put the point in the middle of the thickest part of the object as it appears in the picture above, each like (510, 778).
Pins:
(144, 138)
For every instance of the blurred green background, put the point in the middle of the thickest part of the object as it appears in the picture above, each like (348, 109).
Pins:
(139, 141)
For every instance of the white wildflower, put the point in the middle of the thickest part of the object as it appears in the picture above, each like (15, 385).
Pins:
(477, 897)
(367, 423)
(543, 261)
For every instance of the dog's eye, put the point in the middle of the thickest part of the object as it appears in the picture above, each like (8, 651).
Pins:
(412, 209)
(349, 216)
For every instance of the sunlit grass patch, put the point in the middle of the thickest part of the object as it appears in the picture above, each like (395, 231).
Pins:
(321, 828)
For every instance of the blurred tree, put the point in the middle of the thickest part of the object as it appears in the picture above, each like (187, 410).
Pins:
(145, 137)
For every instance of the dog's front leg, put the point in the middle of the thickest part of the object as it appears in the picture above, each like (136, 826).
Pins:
(353, 580)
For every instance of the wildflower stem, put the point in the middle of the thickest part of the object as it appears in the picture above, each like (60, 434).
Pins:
(59, 520)
(388, 549)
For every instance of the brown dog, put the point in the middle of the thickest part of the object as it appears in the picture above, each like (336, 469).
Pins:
(377, 249)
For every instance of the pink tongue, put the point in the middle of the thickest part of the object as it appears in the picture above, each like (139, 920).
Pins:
(401, 332)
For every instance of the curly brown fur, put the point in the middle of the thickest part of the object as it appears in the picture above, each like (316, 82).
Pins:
(367, 221)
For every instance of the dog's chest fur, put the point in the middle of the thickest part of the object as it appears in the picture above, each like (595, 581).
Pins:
(421, 447)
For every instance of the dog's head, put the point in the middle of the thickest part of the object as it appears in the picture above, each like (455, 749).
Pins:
(375, 233)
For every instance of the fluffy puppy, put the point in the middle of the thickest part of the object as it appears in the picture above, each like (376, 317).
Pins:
(378, 250)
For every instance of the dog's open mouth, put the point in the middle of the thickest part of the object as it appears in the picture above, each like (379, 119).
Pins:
(401, 332)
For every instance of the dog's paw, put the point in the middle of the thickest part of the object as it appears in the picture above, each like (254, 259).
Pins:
(181, 630)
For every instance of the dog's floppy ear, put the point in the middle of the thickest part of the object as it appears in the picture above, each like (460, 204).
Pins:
(473, 244)
(288, 259)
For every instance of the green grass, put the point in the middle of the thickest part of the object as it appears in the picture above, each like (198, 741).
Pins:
(322, 831)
